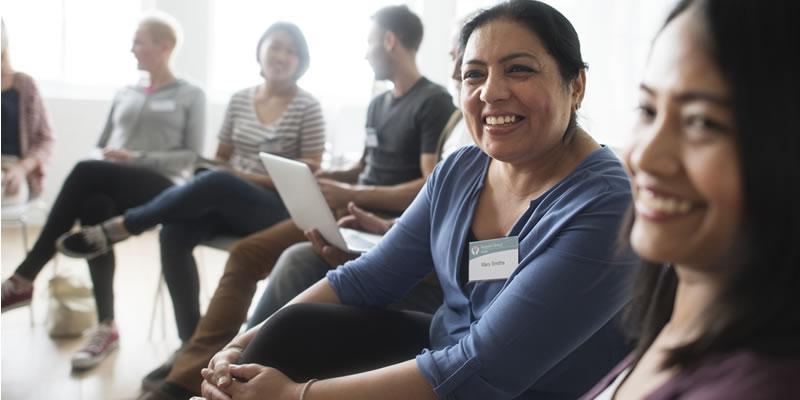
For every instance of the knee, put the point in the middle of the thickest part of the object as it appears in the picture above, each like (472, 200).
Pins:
(211, 179)
(207, 187)
(293, 315)
(298, 253)
(250, 257)
(86, 167)
(248, 248)
(280, 335)
(97, 209)
(81, 171)
(297, 260)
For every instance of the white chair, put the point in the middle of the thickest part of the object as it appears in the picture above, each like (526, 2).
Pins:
(20, 213)
(222, 243)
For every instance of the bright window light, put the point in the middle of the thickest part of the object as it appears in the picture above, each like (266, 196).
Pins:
(81, 48)
(76, 42)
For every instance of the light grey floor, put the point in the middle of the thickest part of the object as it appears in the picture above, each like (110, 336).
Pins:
(34, 366)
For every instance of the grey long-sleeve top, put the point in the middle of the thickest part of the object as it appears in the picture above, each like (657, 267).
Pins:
(164, 129)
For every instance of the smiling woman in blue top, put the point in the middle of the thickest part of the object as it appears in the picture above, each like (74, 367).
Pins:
(534, 320)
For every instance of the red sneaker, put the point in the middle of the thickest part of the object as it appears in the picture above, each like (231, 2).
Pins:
(104, 340)
(16, 293)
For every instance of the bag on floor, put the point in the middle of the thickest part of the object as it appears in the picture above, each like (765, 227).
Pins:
(72, 306)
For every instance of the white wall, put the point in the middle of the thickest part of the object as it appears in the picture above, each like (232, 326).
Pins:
(614, 34)
(76, 125)
(78, 114)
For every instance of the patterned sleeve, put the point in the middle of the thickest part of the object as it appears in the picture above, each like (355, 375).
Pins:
(38, 124)
(312, 130)
(226, 131)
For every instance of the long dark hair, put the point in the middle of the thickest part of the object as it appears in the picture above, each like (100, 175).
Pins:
(549, 25)
(759, 305)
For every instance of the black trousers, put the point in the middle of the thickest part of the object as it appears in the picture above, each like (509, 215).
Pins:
(93, 192)
(306, 341)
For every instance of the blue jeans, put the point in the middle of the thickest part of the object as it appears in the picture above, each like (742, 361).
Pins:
(211, 204)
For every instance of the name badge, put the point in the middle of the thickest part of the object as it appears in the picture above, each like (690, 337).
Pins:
(493, 259)
(372, 138)
(162, 105)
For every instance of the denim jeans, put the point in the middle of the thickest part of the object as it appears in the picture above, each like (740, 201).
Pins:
(212, 203)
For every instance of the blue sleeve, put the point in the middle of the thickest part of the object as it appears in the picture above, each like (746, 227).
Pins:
(558, 299)
(391, 269)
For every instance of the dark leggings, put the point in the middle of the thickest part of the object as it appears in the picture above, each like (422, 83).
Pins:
(306, 341)
(93, 192)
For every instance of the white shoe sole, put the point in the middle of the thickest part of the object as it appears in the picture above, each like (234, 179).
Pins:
(84, 364)
(69, 253)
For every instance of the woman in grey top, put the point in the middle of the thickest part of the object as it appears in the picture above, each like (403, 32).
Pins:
(151, 137)
(236, 196)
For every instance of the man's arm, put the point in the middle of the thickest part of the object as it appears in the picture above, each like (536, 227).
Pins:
(347, 175)
(390, 198)
(396, 197)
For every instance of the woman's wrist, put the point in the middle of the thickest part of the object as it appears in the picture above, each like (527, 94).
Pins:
(304, 389)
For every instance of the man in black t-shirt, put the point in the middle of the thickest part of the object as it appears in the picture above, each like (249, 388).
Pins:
(400, 130)
(403, 124)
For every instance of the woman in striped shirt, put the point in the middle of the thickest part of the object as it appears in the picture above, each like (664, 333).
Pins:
(237, 196)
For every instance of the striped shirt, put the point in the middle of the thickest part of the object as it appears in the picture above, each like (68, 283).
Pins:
(299, 132)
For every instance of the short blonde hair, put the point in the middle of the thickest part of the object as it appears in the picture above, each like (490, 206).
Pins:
(163, 27)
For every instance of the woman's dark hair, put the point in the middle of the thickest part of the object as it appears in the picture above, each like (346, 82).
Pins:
(549, 25)
(299, 41)
(403, 23)
(759, 305)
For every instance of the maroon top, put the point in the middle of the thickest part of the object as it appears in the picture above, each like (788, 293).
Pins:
(741, 375)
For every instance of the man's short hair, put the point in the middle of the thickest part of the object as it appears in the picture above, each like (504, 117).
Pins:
(402, 23)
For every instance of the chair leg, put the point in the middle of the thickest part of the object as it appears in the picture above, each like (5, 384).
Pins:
(203, 275)
(55, 273)
(158, 299)
(163, 309)
(24, 234)
(30, 312)
(24, 230)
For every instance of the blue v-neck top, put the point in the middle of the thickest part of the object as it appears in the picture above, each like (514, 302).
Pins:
(549, 331)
